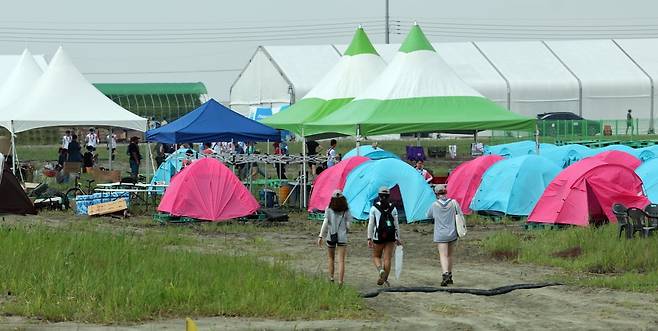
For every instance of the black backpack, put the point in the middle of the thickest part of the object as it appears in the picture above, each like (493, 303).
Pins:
(386, 225)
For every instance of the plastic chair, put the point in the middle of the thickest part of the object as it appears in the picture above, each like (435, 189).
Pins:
(639, 222)
(652, 211)
(621, 212)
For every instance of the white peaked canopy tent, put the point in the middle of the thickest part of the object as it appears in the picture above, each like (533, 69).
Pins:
(21, 80)
(63, 97)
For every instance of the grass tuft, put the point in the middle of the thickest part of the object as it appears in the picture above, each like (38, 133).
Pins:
(594, 256)
(69, 273)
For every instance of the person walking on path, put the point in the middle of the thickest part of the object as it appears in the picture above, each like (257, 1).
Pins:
(336, 225)
(629, 122)
(383, 234)
(444, 213)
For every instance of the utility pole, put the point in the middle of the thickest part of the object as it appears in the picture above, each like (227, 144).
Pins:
(388, 29)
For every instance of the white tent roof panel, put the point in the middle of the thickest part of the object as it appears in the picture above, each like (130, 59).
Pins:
(611, 82)
(304, 66)
(539, 83)
(474, 69)
(21, 80)
(63, 97)
(645, 53)
(9, 62)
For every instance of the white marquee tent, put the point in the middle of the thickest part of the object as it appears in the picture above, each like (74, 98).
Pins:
(20, 80)
(598, 79)
(9, 62)
(281, 75)
(63, 97)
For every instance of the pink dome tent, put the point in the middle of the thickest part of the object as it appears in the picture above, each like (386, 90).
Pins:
(586, 190)
(331, 179)
(464, 181)
(207, 190)
(619, 157)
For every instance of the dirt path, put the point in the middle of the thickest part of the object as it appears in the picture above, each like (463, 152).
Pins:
(562, 307)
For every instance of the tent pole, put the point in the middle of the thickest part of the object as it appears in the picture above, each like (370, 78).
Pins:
(13, 148)
(268, 154)
(149, 161)
(303, 195)
(537, 138)
(109, 148)
(358, 139)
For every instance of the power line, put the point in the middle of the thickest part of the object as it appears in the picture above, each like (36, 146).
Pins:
(207, 28)
(160, 72)
(181, 41)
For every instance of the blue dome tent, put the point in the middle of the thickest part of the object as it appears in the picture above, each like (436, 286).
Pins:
(647, 172)
(171, 166)
(517, 149)
(564, 156)
(371, 153)
(365, 180)
(513, 186)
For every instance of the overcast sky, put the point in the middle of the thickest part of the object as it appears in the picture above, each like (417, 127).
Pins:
(210, 41)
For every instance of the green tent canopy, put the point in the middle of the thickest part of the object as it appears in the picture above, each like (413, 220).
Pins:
(419, 92)
(353, 73)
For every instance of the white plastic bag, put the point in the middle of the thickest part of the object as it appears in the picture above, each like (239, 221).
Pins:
(399, 257)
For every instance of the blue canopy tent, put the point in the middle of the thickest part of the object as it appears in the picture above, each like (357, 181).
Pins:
(262, 113)
(171, 166)
(517, 149)
(364, 181)
(212, 122)
(564, 156)
(513, 186)
(647, 172)
(371, 153)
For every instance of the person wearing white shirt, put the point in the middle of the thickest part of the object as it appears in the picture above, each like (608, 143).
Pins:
(331, 153)
(64, 148)
(420, 167)
(91, 140)
(112, 143)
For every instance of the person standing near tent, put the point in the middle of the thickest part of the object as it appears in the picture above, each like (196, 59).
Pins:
(64, 149)
(135, 156)
(629, 122)
(91, 140)
(420, 166)
(74, 154)
(312, 148)
(331, 153)
(336, 225)
(383, 234)
(444, 213)
(112, 143)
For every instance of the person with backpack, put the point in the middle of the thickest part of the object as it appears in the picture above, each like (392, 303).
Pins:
(336, 224)
(383, 234)
(444, 211)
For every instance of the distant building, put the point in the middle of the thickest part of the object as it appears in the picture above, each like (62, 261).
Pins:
(167, 101)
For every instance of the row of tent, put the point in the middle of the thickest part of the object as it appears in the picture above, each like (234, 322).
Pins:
(416, 92)
(549, 191)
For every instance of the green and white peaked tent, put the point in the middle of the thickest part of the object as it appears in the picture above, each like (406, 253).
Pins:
(419, 92)
(355, 71)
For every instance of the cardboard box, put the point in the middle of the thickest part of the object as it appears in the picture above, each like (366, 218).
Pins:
(109, 176)
(107, 207)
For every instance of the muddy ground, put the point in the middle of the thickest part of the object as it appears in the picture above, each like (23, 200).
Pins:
(562, 307)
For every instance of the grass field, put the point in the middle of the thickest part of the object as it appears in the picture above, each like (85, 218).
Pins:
(593, 256)
(83, 273)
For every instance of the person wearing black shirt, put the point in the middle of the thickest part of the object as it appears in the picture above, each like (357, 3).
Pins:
(74, 154)
(312, 147)
(135, 156)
